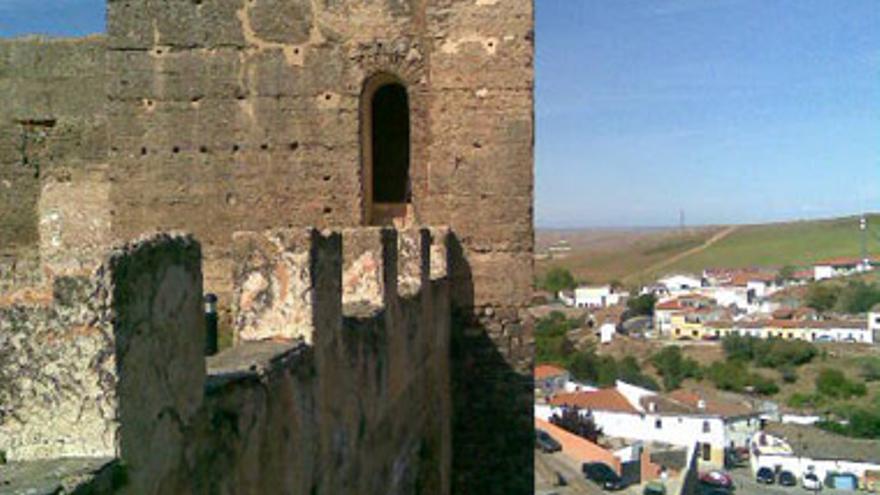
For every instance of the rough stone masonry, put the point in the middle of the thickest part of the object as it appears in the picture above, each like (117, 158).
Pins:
(218, 116)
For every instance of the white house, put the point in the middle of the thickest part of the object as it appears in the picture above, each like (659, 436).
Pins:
(874, 322)
(679, 418)
(806, 449)
(680, 283)
(550, 378)
(566, 297)
(606, 333)
(728, 295)
(600, 296)
(840, 267)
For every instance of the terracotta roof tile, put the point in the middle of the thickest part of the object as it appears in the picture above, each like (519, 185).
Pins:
(543, 371)
(606, 399)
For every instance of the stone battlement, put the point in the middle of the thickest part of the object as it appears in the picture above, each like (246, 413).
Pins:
(338, 381)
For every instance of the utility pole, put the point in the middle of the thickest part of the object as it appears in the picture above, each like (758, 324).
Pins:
(863, 227)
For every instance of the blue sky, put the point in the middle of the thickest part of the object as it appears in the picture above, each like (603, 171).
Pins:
(51, 17)
(733, 110)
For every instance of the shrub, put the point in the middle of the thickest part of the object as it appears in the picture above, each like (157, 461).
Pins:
(821, 297)
(769, 353)
(674, 367)
(582, 425)
(833, 383)
(641, 305)
(557, 279)
(800, 401)
(788, 374)
(859, 422)
(734, 375)
(870, 369)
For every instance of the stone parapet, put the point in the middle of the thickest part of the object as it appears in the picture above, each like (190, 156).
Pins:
(319, 392)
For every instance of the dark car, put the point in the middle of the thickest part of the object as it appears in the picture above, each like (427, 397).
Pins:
(787, 478)
(546, 443)
(714, 490)
(602, 475)
(654, 488)
(765, 475)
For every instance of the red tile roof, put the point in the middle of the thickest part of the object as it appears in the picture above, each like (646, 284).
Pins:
(606, 399)
(543, 371)
(668, 305)
(845, 261)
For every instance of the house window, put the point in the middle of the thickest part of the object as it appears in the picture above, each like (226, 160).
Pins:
(658, 423)
(707, 452)
(385, 149)
(706, 427)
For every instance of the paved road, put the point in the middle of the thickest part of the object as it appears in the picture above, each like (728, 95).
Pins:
(546, 468)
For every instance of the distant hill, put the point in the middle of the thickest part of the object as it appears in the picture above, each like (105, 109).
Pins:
(641, 255)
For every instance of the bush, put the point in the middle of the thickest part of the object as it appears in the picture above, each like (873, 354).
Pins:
(870, 369)
(788, 374)
(769, 353)
(674, 367)
(557, 279)
(573, 421)
(857, 297)
(801, 401)
(734, 375)
(551, 338)
(821, 297)
(859, 422)
(834, 384)
(642, 305)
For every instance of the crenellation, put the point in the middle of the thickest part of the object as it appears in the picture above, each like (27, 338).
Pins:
(283, 280)
(369, 277)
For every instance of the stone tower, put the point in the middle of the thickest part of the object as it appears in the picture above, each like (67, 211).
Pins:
(216, 116)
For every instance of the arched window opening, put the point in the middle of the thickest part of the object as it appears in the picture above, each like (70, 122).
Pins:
(386, 150)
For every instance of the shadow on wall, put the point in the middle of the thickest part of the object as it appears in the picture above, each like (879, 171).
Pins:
(493, 434)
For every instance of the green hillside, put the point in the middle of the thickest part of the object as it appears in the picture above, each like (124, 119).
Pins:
(794, 243)
(639, 258)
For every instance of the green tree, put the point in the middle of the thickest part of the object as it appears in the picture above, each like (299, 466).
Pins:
(785, 274)
(857, 297)
(641, 305)
(582, 425)
(821, 297)
(833, 383)
(557, 279)
(674, 367)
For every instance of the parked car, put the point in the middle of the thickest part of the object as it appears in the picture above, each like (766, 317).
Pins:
(714, 490)
(546, 443)
(602, 474)
(811, 482)
(842, 481)
(654, 488)
(716, 478)
(787, 478)
(765, 475)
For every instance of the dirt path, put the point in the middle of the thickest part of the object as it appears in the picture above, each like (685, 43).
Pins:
(690, 252)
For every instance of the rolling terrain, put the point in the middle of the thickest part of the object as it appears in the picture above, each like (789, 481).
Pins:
(640, 255)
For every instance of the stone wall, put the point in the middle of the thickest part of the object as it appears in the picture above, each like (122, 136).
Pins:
(240, 115)
(82, 376)
(52, 135)
(355, 400)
